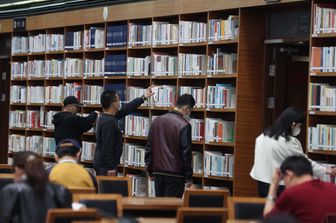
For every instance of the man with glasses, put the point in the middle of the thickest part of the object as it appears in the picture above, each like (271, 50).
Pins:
(108, 134)
(69, 125)
(168, 151)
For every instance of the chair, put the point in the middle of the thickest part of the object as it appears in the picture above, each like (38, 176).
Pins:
(82, 190)
(114, 185)
(107, 204)
(200, 215)
(6, 179)
(6, 168)
(67, 215)
(206, 198)
(246, 208)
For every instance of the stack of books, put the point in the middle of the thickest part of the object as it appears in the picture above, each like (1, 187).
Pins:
(36, 68)
(197, 162)
(322, 137)
(218, 130)
(139, 34)
(53, 94)
(34, 144)
(92, 94)
(220, 62)
(94, 68)
(94, 37)
(37, 43)
(115, 65)
(192, 32)
(19, 69)
(138, 66)
(54, 42)
(221, 96)
(323, 59)
(35, 94)
(165, 33)
(73, 40)
(218, 164)
(197, 129)
(88, 151)
(54, 68)
(223, 29)
(322, 97)
(74, 89)
(46, 118)
(116, 35)
(133, 155)
(19, 44)
(33, 119)
(17, 119)
(16, 143)
(191, 64)
(136, 125)
(324, 18)
(135, 92)
(164, 65)
(18, 94)
(49, 146)
(164, 96)
(73, 67)
(197, 92)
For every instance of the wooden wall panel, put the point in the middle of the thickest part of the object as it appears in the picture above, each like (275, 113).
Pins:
(6, 25)
(249, 97)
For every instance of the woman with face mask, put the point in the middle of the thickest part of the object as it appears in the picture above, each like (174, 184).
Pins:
(277, 143)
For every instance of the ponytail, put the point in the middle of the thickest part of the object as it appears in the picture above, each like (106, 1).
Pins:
(33, 167)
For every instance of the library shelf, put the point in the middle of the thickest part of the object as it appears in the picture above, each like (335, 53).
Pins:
(218, 178)
(173, 77)
(90, 162)
(17, 79)
(322, 74)
(198, 175)
(142, 168)
(18, 104)
(20, 55)
(94, 78)
(115, 77)
(197, 142)
(226, 144)
(222, 76)
(79, 78)
(17, 128)
(323, 35)
(140, 47)
(35, 104)
(224, 110)
(222, 42)
(139, 77)
(161, 108)
(121, 48)
(203, 76)
(34, 129)
(94, 50)
(165, 46)
(54, 104)
(54, 52)
(92, 106)
(89, 134)
(322, 152)
(135, 137)
(36, 54)
(322, 113)
(54, 78)
(201, 44)
(35, 78)
(74, 51)
(198, 109)
(49, 130)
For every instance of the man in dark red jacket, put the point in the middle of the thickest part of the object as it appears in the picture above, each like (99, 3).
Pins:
(307, 199)
(168, 152)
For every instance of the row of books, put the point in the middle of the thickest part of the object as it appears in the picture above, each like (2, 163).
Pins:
(88, 151)
(192, 64)
(164, 96)
(135, 92)
(324, 18)
(93, 68)
(73, 67)
(116, 35)
(34, 144)
(197, 162)
(94, 37)
(192, 31)
(218, 164)
(139, 34)
(73, 40)
(46, 118)
(223, 29)
(115, 65)
(33, 119)
(322, 137)
(133, 155)
(197, 129)
(322, 97)
(18, 94)
(17, 119)
(138, 66)
(141, 186)
(164, 65)
(36, 68)
(221, 62)
(218, 130)
(221, 96)
(197, 92)
(323, 59)
(53, 94)
(92, 94)
(165, 33)
(37, 43)
(54, 42)
(19, 44)
(136, 125)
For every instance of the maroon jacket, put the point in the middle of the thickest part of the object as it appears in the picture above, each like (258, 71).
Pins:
(168, 148)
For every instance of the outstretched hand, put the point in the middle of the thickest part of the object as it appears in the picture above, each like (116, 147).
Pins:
(332, 171)
(148, 93)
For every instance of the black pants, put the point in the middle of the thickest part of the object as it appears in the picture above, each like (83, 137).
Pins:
(101, 171)
(264, 187)
(169, 186)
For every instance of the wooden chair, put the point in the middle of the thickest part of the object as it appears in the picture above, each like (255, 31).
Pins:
(82, 190)
(114, 185)
(110, 204)
(246, 208)
(6, 179)
(6, 168)
(206, 198)
(195, 215)
(67, 215)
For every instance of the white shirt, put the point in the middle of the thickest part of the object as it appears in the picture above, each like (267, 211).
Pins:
(270, 153)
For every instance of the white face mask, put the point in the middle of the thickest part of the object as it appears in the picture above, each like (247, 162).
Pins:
(296, 131)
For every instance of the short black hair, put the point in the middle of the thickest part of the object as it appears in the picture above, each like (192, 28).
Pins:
(185, 99)
(299, 165)
(67, 147)
(107, 98)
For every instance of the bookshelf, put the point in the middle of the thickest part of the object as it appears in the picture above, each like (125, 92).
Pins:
(245, 76)
(321, 104)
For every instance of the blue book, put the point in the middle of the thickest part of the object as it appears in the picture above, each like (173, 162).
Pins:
(92, 37)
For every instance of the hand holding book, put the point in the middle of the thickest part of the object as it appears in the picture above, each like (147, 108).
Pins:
(148, 93)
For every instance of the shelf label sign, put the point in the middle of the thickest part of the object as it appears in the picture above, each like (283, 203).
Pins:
(19, 24)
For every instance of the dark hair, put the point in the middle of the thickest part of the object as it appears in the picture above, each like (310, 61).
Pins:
(107, 98)
(185, 99)
(283, 125)
(280, 218)
(33, 167)
(299, 165)
(67, 147)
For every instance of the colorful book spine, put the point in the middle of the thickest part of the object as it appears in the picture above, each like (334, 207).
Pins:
(139, 35)
(17, 119)
(223, 29)
(54, 68)
(49, 146)
(73, 67)
(218, 130)
(115, 65)
(46, 118)
(53, 94)
(18, 94)
(324, 18)
(220, 62)
(191, 64)
(322, 97)
(94, 37)
(164, 65)
(322, 137)
(192, 32)
(34, 144)
(33, 119)
(218, 164)
(323, 59)
(197, 129)
(138, 66)
(75, 89)
(221, 96)
(133, 155)
(164, 96)
(73, 40)
(136, 125)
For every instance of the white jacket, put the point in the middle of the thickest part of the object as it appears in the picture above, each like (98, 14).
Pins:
(270, 153)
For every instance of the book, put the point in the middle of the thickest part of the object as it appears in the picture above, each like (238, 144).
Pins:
(139, 34)
(164, 65)
(17, 119)
(53, 94)
(218, 164)
(73, 67)
(197, 129)
(323, 59)
(73, 40)
(36, 68)
(18, 94)
(191, 64)
(324, 18)
(94, 37)
(116, 35)
(221, 96)
(192, 32)
(165, 33)
(35, 94)
(136, 125)
(327, 177)
(16, 143)
(197, 162)
(46, 118)
(92, 94)
(49, 146)
(93, 68)
(88, 150)
(139, 185)
(136, 92)
(218, 130)
(322, 97)
(54, 42)
(220, 62)
(74, 89)
(54, 68)
(37, 43)
(138, 66)
(115, 65)
(322, 137)
(197, 92)
(19, 44)
(19, 70)
(133, 155)
(164, 96)
(214, 188)
(34, 144)
(223, 29)
(33, 119)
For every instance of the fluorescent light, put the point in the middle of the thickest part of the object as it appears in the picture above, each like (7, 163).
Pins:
(21, 3)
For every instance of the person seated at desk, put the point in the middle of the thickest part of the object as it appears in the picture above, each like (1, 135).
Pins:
(307, 199)
(28, 199)
(67, 171)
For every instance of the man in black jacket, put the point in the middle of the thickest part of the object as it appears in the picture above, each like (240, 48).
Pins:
(168, 151)
(108, 135)
(68, 125)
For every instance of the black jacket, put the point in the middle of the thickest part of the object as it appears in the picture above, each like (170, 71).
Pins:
(71, 126)
(19, 203)
(109, 137)
(168, 149)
